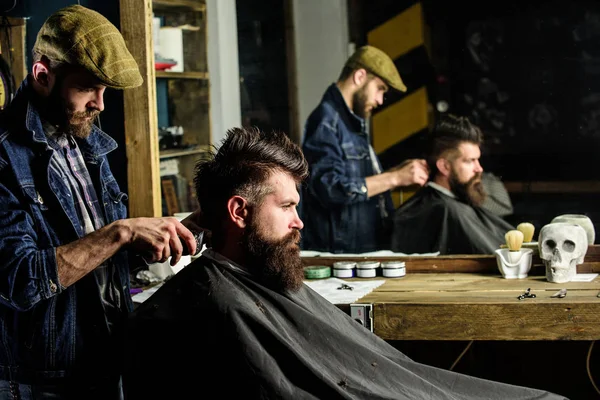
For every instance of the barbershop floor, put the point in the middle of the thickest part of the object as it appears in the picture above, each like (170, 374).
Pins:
(558, 367)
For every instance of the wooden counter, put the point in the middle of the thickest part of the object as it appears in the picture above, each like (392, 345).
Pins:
(463, 306)
(466, 298)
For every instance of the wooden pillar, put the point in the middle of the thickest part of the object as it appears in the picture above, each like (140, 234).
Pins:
(141, 122)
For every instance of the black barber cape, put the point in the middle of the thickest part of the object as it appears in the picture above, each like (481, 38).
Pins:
(432, 221)
(212, 331)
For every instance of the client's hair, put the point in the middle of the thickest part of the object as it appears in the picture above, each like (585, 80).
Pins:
(446, 137)
(241, 166)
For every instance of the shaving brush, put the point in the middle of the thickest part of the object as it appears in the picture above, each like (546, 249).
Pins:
(528, 229)
(514, 241)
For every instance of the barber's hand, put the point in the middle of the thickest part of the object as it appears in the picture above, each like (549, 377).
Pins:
(160, 238)
(195, 224)
(411, 172)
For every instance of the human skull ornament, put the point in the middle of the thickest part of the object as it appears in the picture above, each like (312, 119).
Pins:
(583, 220)
(562, 246)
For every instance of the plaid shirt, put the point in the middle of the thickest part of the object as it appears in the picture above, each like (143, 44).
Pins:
(68, 162)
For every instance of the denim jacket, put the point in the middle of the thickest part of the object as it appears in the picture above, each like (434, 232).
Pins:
(337, 214)
(48, 332)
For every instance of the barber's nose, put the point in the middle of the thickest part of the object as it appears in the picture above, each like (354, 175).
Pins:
(478, 167)
(98, 102)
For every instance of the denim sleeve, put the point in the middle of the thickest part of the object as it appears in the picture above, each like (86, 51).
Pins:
(28, 274)
(329, 179)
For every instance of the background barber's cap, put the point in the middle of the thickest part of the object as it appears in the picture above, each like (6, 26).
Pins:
(79, 36)
(378, 63)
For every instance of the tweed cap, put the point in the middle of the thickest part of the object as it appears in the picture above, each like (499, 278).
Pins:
(79, 36)
(378, 63)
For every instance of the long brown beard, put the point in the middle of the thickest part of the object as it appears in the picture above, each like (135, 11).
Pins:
(77, 125)
(277, 263)
(471, 192)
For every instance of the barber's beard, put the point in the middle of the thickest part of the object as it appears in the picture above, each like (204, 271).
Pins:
(79, 123)
(61, 113)
(471, 192)
(277, 263)
(359, 103)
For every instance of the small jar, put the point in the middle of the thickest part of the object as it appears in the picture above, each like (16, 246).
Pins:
(317, 272)
(393, 269)
(344, 269)
(367, 269)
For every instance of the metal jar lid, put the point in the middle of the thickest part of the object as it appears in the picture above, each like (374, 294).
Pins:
(393, 264)
(368, 264)
(344, 264)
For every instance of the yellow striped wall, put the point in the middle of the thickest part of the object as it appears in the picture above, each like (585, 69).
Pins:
(409, 115)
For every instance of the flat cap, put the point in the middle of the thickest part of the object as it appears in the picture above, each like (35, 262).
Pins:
(378, 63)
(79, 36)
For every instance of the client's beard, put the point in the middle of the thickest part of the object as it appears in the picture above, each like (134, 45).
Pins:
(277, 263)
(471, 192)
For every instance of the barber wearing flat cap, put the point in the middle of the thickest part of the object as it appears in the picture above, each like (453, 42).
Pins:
(346, 204)
(64, 236)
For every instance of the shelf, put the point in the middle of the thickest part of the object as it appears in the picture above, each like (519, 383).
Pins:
(184, 152)
(182, 75)
(188, 104)
(188, 4)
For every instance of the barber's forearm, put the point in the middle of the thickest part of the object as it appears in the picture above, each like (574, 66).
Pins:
(380, 183)
(78, 258)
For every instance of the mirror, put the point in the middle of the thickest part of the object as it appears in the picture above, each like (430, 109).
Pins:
(528, 73)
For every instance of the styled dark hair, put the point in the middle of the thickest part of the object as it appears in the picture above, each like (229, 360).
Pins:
(241, 166)
(447, 135)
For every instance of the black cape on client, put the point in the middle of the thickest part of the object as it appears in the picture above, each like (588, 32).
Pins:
(432, 221)
(213, 331)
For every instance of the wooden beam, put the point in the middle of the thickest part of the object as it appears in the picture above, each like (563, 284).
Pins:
(182, 75)
(295, 127)
(553, 187)
(141, 121)
(13, 48)
(196, 5)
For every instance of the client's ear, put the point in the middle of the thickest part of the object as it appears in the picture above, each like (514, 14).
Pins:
(443, 165)
(237, 210)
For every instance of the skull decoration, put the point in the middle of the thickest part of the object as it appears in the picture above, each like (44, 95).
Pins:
(562, 246)
(584, 221)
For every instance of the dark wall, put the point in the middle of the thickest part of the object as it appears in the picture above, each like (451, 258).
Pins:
(263, 65)
(527, 73)
(111, 120)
